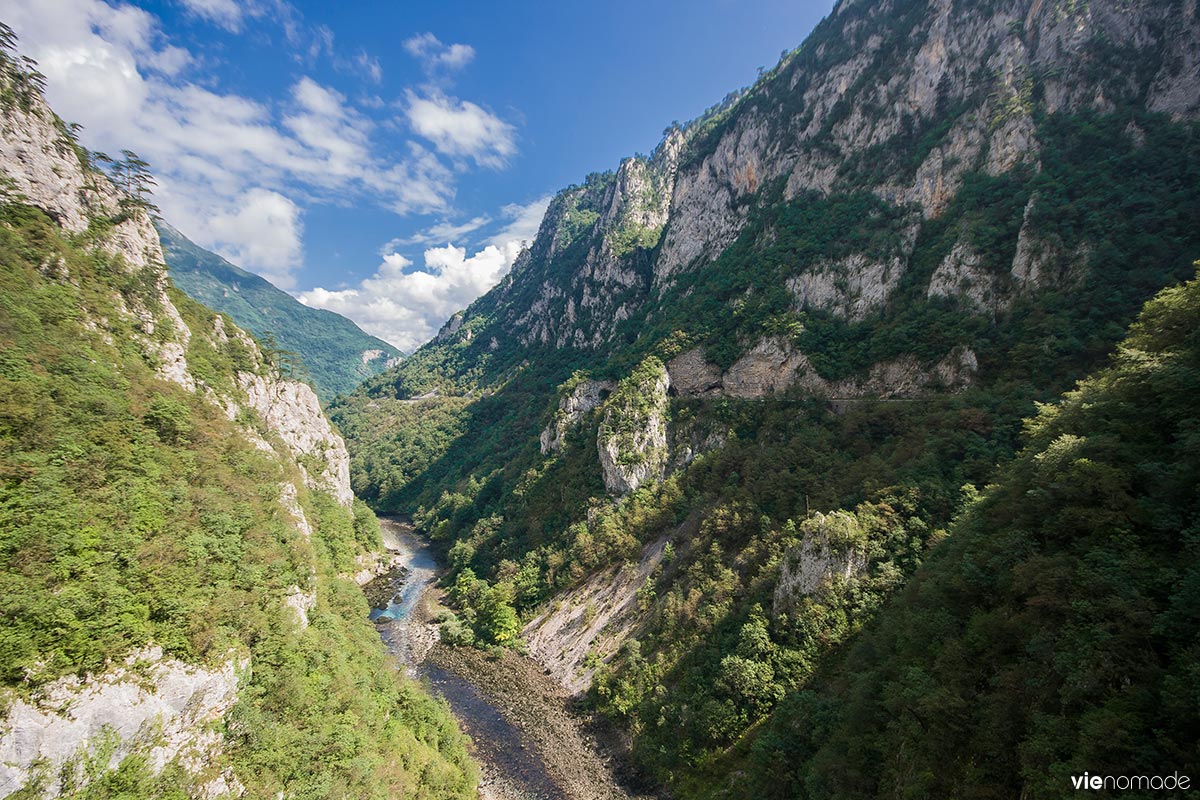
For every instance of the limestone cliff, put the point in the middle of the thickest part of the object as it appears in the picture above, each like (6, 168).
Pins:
(901, 101)
(47, 169)
(632, 440)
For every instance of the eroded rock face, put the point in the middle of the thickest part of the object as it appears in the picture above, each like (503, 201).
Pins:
(963, 275)
(769, 368)
(692, 375)
(632, 441)
(573, 407)
(44, 167)
(291, 409)
(158, 707)
(850, 288)
(593, 619)
(774, 366)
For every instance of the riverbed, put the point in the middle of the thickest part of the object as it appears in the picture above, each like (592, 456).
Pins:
(528, 741)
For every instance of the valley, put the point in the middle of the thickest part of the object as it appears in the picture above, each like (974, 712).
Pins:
(845, 445)
(529, 743)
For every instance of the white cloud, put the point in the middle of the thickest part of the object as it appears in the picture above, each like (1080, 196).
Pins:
(224, 160)
(461, 129)
(264, 229)
(370, 66)
(525, 221)
(407, 306)
(434, 55)
(444, 231)
(225, 13)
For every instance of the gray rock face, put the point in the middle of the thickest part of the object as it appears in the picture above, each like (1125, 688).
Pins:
(819, 562)
(158, 707)
(592, 620)
(692, 375)
(632, 441)
(603, 232)
(873, 79)
(850, 288)
(768, 368)
(45, 170)
(572, 407)
(43, 166)
(291, 409)
(774, 366)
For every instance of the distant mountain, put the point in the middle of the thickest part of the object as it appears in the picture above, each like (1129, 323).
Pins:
(336, 353)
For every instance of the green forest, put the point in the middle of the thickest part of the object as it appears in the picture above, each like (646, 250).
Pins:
(314, 345)
(719, 673)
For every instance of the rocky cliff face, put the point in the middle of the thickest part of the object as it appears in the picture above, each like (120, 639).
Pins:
(576, 402)
(159, 707)
(819, 562)
(903, 100)
(52, 172)
(775, 366)
(600, 235)
(864, 84)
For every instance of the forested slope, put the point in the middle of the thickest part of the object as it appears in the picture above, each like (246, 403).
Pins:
(319, 346)
(177, 533)
(1054, 633)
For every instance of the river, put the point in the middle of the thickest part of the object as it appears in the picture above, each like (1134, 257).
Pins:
(530, 747)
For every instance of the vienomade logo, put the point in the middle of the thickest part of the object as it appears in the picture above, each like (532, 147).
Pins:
(1125, 782)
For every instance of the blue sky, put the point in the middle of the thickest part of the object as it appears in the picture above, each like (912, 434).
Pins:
(380, 159)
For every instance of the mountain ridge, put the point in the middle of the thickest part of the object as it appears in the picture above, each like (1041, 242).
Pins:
(332, 351)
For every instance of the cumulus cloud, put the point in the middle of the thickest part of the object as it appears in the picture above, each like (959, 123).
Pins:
(461, 129)
(263, 229)
(433, 55)
(406, 306)
(224, 160)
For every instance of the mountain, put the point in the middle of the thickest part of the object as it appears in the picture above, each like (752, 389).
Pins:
(1054, 632)
(331, 352)
(738, 393)
(178, 538)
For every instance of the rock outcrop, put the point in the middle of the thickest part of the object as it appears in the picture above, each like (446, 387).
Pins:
(575, 403)
(291, 410)
(774, 366)
(156, 707)
(632, 441)
(824, 557)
